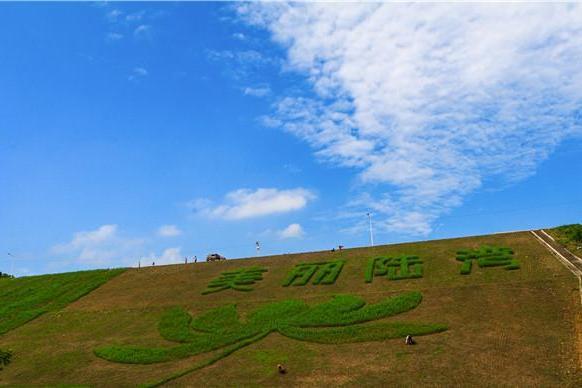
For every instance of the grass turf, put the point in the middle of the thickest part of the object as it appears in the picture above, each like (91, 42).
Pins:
(498, 323)
(570, 236)
(288, 317)
(24, 299)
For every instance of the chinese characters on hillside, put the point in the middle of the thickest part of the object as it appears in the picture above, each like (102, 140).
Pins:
(389, 267)
(239, 280)
(487, 257)
(394, 268)
(325, 273)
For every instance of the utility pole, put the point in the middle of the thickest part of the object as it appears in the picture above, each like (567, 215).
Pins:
(371, 232)
(11, 263)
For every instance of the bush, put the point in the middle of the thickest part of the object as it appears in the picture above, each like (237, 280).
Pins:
(571, 232)
(5, 358)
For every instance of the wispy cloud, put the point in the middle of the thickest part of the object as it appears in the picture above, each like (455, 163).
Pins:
(260, 91)
(291, 231)
(102, 246)
(169, 231)
(241, 57)
(113, 15)
(429, 101)
(142, 31)
(114, 36)
(245, 203)
(135, 16)
(138, 72)
(239, 36)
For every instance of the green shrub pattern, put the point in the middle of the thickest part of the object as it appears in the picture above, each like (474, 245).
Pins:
(340, 320)
(239, 280)
(394, 268)
(487, 256)
(325, 273)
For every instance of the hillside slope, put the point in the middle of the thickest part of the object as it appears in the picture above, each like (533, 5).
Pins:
(503, 327)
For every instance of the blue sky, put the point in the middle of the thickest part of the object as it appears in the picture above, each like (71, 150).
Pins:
(156, 131)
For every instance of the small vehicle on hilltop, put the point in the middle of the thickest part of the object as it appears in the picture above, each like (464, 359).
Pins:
(215, 257)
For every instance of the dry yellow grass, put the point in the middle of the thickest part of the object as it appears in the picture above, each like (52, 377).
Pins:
(514, 328)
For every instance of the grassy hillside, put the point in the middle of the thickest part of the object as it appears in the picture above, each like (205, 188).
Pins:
(481, 318)
(570, 236)
(27, 298)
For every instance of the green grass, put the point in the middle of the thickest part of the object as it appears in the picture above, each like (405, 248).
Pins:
(240, 279)
(570, 236)
(24, 299)
(292, 318)
(487, 256)
(325, 273)
(394, 268)
(498, 323)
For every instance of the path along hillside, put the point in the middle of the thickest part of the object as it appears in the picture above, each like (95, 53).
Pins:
(476, 321)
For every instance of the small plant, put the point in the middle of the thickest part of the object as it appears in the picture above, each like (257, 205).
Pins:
(239, 280)
(5, 358)
(325, 273)
(487, 256)
(394, 268)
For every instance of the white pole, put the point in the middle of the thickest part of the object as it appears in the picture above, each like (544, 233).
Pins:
(371, 232)
(11, 263)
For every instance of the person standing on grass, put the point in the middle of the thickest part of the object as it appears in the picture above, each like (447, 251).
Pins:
(195, 259)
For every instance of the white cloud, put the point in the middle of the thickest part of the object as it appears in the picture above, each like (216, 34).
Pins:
(429, 101)
(114, 36)
(239, 36)
(169, 231)
(246, 203)
(241, 58)
(138, 72)
(135, 16)
(114, 15)
(292, 231)
(170, 256)
(260, 91)
(143, 30)
(102, 246)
